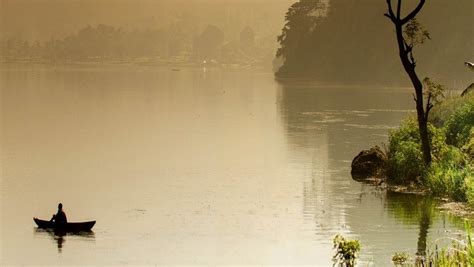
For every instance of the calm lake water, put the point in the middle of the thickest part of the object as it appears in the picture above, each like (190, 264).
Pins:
(198, 167)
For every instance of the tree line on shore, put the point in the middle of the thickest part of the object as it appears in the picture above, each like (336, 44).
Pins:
(351, 41)
(108, 43)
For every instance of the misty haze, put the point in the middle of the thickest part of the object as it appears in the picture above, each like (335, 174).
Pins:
(264, 132)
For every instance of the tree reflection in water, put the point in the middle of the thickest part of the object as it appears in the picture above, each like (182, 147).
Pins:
(411, 209)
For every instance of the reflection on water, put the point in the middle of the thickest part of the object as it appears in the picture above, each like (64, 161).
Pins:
(435, 228)
(414, 209)
(59, 237)
(197, 167)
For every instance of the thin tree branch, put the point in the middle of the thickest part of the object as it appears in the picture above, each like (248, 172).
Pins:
(428, 109)
(430, 106)
(428, 102)
(390, 13)
(399, 7)
(391, 18)
(408, 48)
(413, 13)
(412, 59)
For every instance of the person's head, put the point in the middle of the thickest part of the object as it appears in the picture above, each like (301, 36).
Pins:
(60, 206)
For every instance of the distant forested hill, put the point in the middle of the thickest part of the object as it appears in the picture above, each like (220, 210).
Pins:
(141, 30)
(351, 40)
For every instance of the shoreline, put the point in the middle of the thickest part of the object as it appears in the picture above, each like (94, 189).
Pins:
(455, 208)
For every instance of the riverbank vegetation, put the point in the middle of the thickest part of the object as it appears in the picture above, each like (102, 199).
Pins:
(347, 251)
(434, 150)
(451, 173)
(459, 253)
(401, 166)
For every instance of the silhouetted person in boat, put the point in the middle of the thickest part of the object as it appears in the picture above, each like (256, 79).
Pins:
(60, 216)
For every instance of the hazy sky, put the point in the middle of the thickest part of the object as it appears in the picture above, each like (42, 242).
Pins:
(43, 19)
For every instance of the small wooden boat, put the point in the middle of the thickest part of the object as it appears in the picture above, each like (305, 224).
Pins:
(65, 227)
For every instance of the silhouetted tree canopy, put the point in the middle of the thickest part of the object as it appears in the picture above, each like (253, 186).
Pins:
(349, 40)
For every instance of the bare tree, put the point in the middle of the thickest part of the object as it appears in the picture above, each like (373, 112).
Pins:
(409, 33)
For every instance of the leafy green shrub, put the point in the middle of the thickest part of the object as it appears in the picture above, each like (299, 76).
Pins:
(468, 147)
(405, 157)
(406, 163)
(449, 173)
(460, 125)
(460, 253)
(449, 180)
(469, 186)
(442, 111)
(469, 243)
(347, 251)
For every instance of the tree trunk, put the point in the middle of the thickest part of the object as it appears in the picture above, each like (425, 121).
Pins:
(418, 86)
(424, 135)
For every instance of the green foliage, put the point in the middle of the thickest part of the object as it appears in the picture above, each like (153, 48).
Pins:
(400, 258)
(460, 125)
(451, 173)
(405, 163)
(469, 243)
(347, 251)
(451, 176)
(441, 112)
(460, 253)
(415, 33)
(469, 186)
(434, 92)
(468, 147)
(456, 115)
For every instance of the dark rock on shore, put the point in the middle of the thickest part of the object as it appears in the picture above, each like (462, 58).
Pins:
(369, 164)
